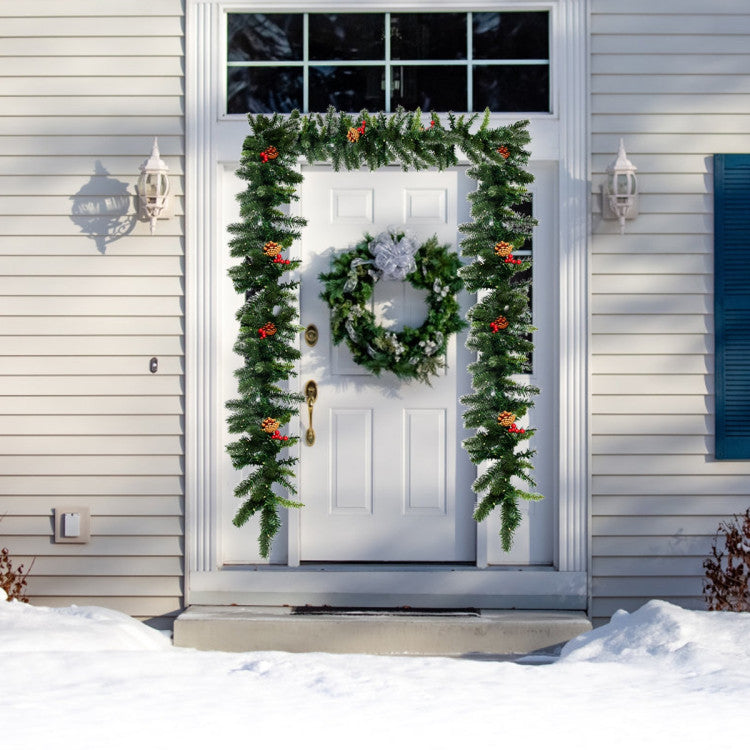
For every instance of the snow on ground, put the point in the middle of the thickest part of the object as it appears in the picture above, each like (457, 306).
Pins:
(86, 677)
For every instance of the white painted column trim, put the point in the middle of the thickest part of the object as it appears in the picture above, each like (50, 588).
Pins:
(201, 389)
(571, 69)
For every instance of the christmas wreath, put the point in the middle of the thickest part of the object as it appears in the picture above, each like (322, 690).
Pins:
(413, 353)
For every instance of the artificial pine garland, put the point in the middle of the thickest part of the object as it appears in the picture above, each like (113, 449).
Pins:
(268, 325)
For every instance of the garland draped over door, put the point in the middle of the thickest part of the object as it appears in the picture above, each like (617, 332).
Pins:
(500, 321)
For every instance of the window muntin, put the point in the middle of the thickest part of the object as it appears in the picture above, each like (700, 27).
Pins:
(277, 62)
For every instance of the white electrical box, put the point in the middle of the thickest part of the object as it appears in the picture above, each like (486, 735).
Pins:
(72, 525)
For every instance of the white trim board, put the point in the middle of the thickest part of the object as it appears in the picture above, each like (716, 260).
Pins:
(565, 138)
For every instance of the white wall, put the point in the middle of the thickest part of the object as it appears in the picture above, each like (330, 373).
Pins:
(87, 297)
(672, 78)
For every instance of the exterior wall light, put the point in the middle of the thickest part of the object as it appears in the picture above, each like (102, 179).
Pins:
(153, 188)
(620, 192)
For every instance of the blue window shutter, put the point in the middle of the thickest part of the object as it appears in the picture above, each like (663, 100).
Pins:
(732, 304)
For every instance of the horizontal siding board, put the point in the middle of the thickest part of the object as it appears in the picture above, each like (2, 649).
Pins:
(670, 24)
(653, 163)
(112, 106)
(650, 424)
(104, 325)
(93, 228)
(80, 486)
(651, 264)
(51, 9)
(102, 566)
(69, 185)
(101, 146)
(645, 144)
(93, 265)
(40, 305)
(84, 205)
(642, 364)
(688, 445)
(647, 566)
(80, 164)
(652, 324)
(90, 405)
(103, 286)
(656, 525)
(113, 585)
(649, 225)
(658, 118)
(642, 83)
(103, 65)
(86, 46)
(649, 7)
(112, 505)
(688, 485)
(83, 465)
(681, 403)
(652, 546)
(721, 506)
(92, 85)
(636, 385)
(85, 385)
(97, 124)
(104, 546)
(102, 26)
(668, 44)
(84, 424)
(97, 346)
(651, 304)
(89, 247)
(651, 586)
(100, 526)
(89, 365)
(681, 64)
(664, 283)
(651, 344)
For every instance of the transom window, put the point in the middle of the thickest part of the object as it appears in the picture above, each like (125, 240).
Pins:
(464, 62)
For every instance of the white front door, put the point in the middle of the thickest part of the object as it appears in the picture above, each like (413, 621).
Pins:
(387, 478)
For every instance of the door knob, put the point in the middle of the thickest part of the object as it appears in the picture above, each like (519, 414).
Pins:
(311, 396)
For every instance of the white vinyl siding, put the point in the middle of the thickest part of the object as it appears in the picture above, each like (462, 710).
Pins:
(671, 79)
(85, 86)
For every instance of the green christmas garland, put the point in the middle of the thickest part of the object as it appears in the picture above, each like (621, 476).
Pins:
(500, 321)
(414, 353)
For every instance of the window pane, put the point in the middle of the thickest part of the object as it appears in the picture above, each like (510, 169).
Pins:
(263, 90)
(511, 36)
(511, 88)
(347, 88)
(428, 36)
(264, 36)
(347, 36)
(440, 87)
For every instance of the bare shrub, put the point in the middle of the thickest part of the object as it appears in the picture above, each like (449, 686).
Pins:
(13, 580)
(727, 587)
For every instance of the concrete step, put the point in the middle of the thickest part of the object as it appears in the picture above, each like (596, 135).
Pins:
(426, 633)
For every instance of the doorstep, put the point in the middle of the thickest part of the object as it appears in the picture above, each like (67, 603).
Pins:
(480, 633)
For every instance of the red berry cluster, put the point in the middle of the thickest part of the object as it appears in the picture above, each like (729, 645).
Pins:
(515, 429)
(270, 153)
(279, 259)
(267, 330)
(278, 436)
(513, 261)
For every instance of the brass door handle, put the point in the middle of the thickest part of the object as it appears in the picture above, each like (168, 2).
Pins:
(311, 395)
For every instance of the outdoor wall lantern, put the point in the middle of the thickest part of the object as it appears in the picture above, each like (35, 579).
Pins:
(620, 192)
(153, 188)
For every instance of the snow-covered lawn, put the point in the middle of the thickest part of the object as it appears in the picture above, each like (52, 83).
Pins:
(85, 677)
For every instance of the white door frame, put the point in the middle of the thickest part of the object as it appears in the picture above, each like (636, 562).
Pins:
(560, 137)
